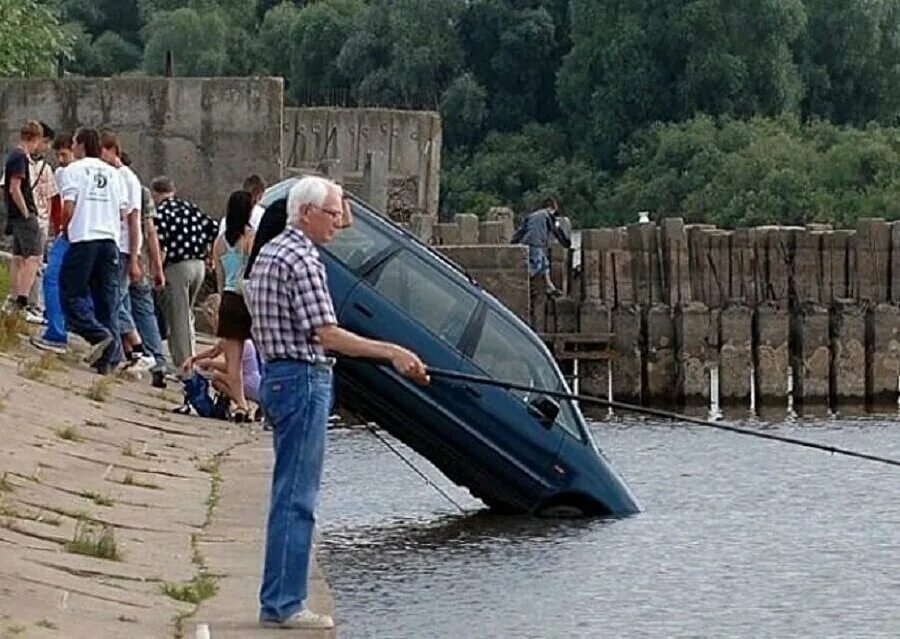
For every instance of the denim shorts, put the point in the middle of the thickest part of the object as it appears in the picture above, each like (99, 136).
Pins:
(26, 234)
(538, 264)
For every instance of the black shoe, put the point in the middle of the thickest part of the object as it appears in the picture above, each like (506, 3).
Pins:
(182, 410)
(159, 379)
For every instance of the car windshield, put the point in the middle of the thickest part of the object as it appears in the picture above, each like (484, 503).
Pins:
(354, 246)
(508, 354)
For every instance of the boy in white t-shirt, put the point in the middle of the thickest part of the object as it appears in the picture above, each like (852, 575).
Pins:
(130, 271)
(94, 202)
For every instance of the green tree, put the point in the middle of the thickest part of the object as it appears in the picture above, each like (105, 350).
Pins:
(849, 60)
(274, 32)
(198, 42)
(403, 52)
(22, 24)
(464, 110)
(636, 63)
(515, 54)
(317, 34)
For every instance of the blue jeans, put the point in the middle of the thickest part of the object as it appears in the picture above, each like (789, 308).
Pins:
(53, 310)
(89, 286)
(143, 312)
(538, 263)
(296, 397)
(126, 323)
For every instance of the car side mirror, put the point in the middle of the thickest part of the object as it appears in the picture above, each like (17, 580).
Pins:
(545, 409)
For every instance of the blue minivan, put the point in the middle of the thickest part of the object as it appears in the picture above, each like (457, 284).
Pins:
(502, 445)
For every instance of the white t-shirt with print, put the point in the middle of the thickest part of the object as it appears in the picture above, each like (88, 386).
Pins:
(100, 199)
(132, 186)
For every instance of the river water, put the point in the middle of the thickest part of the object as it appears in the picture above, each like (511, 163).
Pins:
(739, 538)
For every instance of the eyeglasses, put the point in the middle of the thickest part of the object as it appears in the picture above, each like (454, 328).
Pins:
(335, 215)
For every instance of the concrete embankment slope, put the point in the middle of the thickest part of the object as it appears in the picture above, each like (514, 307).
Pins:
(117, 517)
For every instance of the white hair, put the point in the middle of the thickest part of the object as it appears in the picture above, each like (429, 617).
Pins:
(308, 190)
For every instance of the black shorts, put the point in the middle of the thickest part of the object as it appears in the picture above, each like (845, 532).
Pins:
(28, 240)
(234, 318)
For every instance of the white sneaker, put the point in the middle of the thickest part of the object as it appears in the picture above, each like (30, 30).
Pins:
(305, 619)
(96, 352)
(45, 345)
(32, 316)
(142, 364)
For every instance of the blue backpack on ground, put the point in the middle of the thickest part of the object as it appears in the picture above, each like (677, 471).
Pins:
(196, 394)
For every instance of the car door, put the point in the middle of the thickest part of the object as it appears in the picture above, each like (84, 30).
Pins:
(411, 302)
(503, 351)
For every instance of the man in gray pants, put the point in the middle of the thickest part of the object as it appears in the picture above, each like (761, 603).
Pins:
(185, 235)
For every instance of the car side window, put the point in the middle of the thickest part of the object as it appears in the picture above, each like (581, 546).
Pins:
(354, 246)
(441, 305)
(506, 353)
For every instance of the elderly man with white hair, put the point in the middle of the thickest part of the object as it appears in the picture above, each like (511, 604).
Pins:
(294, 327)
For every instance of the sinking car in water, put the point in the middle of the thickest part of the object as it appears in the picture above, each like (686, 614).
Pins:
(517, 451)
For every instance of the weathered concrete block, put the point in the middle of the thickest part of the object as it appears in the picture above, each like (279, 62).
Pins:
(643, 244)
(447, 234)
(743, 282)
(895, 262)
(562, 315)
(807, 267)
(590, 274)
(593, 377)
(775, 256)
(621, 270)
(883, 354)
(873, 247)
(848, 334)
(771, 356)
(500, 270)
(698, 260)
(594, 317)
(468, 228)
(626, 366)
(840, 264)
(422, 226)
(811, 357)
(676, 278)
(490, 233)
(735, 354)
(660, 355)
(560, 267)
(695, 355)
(375, 180)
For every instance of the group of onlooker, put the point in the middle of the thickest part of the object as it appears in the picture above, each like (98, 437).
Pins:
(98, 254)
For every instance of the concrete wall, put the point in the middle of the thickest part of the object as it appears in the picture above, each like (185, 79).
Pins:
(755, 303)
(404, 145)
(207, 134)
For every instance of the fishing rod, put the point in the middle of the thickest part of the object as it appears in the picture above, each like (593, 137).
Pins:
(428, 481)
(656, 412)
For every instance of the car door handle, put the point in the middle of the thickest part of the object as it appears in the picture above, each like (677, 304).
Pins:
(362, 308)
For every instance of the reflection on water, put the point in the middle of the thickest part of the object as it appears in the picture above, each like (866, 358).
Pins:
(740, 538)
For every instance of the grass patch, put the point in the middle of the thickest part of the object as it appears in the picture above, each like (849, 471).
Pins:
(210, 466)
(5, 485)
(11, 326)
(69, 433)
(128, 451)
(197, 590)
(4, 399)
(94, 541)
(49, 625)
(97, 498)
(100, 390)
(129, 480)
(12, 631)
(37, 368)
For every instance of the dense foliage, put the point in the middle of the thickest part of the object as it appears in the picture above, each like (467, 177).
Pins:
(730, 112)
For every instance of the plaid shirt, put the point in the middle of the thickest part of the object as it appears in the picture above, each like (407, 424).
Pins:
(288, 299)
